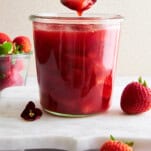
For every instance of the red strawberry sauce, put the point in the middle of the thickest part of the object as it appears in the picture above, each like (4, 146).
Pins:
(78, 5)
(75, 66)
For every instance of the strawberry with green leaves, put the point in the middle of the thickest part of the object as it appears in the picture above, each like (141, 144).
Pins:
(136, 98)
(6, 46)
(22, 44)
(116, 145)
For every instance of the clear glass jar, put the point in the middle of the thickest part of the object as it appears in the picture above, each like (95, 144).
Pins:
(76, 61)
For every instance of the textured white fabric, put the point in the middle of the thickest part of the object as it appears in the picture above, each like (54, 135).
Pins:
(73, 134)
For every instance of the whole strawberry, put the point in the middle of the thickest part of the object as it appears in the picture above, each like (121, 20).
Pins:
(22, 44)
(4, 38)
(136, 98)
(116, 145)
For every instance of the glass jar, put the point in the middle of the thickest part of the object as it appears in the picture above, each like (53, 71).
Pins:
(76, 61)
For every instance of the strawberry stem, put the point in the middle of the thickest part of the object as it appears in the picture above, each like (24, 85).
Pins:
(130, 143)
(140, 79)
(112, 138)
(144, 83)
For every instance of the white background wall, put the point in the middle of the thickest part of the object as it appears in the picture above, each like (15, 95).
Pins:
(135, 47)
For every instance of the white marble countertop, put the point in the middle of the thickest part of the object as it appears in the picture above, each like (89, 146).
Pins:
(72, 134)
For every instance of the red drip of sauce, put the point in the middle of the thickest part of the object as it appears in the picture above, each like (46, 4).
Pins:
(78, 5)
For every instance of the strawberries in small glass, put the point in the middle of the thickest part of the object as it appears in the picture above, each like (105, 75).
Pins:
(14, 60)
(136, 98)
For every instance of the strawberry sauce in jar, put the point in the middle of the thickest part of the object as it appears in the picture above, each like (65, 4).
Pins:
(75, 60)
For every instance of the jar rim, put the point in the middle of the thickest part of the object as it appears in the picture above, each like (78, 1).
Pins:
(67, 18)
(16, 55)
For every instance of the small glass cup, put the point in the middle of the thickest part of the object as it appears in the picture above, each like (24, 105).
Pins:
(13, 70)
(76, 61)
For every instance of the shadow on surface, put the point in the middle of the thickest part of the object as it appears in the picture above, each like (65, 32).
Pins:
(44, 150)
(92, 150)
(47, 150)
(56, 150)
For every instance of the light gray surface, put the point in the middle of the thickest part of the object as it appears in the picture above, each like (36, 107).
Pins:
(73, 134)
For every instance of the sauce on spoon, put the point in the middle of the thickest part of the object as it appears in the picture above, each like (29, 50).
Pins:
(78, 5)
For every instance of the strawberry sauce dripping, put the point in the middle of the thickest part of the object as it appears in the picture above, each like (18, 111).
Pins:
(78, 5)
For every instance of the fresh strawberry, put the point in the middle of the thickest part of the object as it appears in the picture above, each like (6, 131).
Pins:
(4, 38)
(78, 5)
(116, 145)
(22, 44)
(136, 98)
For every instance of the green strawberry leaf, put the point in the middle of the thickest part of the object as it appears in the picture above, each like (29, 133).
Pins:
(112, 138)
(140, 80)
(6, 48)
(144, 83)
(130, 143)
(18, 49)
